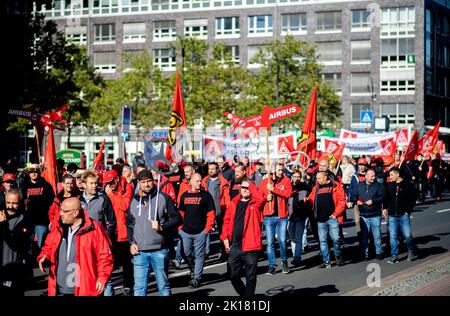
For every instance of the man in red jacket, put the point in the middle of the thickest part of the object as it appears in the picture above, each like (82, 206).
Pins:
(241, 236)
(79, 253)
(328, 202)
(120, 196)
(276, 190)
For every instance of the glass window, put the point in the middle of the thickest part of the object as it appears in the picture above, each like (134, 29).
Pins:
(105, 32)
(398, 21)
(77, 35)
(360, 51)
(164, 59)
(400, 115)
(334, 80)
(360, 83)
(105, 62)
(260, 24)
(360, 19)
(330, 53)
(164, 30)
(196, 28)
(134, 32)
(328, 21)
(227, 26)
(294, 23)
(398, 53)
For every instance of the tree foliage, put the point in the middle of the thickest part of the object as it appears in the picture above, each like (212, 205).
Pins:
(289, 69)
(141, 87)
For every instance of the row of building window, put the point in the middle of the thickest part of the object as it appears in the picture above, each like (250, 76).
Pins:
(224, 26)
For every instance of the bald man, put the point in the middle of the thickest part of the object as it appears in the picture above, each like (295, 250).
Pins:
(78, 251)
(198, 212)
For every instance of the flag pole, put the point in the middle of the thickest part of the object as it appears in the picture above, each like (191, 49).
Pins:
(268, 165)
(37, 144)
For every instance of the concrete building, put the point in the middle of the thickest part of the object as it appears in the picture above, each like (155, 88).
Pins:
(391, 57)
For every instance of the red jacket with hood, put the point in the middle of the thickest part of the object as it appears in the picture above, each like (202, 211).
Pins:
(339, 200)
(93, 257)
(252, 221)
(120, 200)
(283, 189)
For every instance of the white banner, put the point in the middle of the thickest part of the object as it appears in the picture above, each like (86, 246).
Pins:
(402, 136)
(362, 146)
(254, 148)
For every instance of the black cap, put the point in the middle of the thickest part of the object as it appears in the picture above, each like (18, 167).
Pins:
(144, 175)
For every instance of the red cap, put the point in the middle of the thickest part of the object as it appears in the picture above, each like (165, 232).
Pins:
(109, 176)
(362, 161)
(9, 177)
(387, 161)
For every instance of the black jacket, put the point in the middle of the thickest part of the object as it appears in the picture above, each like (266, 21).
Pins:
(14, 245)
(365, 192)
(398, 198)
(227, 172)
(40, 197)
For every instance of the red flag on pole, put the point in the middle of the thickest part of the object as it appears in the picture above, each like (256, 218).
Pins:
(99, 162)
(413, 148)
(428, 141)
(49, 172)
(309, 127)
(177, 119)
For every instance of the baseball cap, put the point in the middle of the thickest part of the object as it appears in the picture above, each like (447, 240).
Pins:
(109, 176)
(9, 177)
(362, 161)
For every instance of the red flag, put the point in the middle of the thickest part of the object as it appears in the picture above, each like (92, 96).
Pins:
(309, 127)
(413, 148)
(99, 162)
(49, 172)
(177, 119)
(333, 151)
(428, 141)
(389, 147)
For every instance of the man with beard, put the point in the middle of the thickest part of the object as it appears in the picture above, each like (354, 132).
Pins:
(235, 183)
(298, 213)
(241, 237)
(219, 189)
(15, 230)
(276, 190)
(8, 183)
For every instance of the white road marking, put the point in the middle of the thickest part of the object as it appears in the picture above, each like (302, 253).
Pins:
(442, 211)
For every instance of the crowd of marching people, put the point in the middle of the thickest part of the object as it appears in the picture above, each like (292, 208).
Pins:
(139, 220)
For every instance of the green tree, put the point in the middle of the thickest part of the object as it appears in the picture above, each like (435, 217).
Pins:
(212, 81)
(55, 72)
(287, 75)
(141, 87)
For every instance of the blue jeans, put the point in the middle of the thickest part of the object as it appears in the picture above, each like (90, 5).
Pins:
(370, 224)
(279, 225)
(144, 262)
(194, 252)
(331, 227)
(296, 229)
(405, 226)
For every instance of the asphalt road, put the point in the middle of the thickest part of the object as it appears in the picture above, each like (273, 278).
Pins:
(430, 228)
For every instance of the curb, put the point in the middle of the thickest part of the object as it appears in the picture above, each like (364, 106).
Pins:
(409, 280)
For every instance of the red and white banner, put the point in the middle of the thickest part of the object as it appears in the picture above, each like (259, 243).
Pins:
(402, 136)
(254, 148)
(363, 145)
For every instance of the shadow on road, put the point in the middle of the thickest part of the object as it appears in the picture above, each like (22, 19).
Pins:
(288, 290)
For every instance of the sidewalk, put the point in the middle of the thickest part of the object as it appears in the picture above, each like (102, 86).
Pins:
(430, 278)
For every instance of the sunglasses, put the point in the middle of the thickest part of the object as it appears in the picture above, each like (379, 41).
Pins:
(33, 171)
(244, 187)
